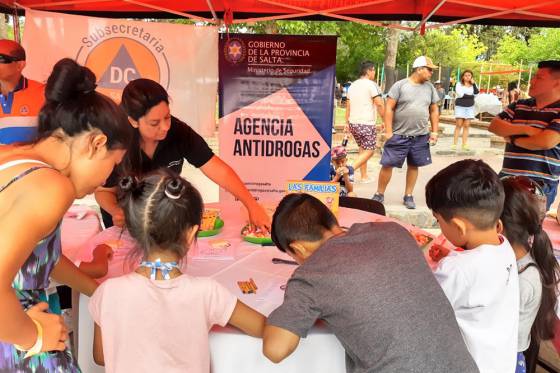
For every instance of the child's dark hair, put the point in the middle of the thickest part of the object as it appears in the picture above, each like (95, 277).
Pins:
(469, 189)
(300, 217)
(73, 106)
(522, 220)
(158, 209)
(365, 66)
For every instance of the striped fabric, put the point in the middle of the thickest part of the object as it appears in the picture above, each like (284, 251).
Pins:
(542, 164)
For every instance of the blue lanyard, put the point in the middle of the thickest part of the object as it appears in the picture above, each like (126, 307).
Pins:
(164, 267)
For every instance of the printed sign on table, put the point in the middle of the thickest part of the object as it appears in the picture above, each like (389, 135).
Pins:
(326, 192)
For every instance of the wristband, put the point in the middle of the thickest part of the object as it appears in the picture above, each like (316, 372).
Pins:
(38, 346)
(434, 134)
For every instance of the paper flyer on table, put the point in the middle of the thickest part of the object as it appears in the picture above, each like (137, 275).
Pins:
(215, 249)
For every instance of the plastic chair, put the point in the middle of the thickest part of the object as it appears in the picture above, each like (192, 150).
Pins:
(363, 204)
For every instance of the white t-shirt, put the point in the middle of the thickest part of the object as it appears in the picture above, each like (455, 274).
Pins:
(463, 90)
(482, 286)
(362, 109)
(530, 293)
(159, 325)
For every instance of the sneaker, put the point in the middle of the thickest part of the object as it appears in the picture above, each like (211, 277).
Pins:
(408, 201)
(466, 148)
(453, 147)
(367, 180)
(378, 197)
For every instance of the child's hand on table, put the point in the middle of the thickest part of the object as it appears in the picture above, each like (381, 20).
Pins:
(438, 252)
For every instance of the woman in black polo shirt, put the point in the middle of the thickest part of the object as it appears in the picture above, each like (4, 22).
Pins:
(162, 140)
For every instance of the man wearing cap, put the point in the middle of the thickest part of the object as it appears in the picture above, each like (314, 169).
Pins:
(532, 129)
(21, 98)
(411, 108)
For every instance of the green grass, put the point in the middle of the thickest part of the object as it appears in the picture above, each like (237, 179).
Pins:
(340, 116)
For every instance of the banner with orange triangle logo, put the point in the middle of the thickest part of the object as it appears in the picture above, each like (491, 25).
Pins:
(182, 58)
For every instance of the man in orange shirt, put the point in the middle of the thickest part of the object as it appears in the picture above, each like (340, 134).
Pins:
(21, 99)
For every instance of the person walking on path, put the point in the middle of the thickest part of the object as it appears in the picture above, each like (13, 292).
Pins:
(363, 103)
(466, 90)
(411, 106)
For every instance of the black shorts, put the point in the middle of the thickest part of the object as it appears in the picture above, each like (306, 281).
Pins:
(415, 149)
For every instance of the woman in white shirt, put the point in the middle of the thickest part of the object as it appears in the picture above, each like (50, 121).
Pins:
(465, 89)
(538, 269)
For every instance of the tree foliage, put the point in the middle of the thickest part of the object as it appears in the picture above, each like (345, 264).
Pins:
(541, 45)
(449, 47)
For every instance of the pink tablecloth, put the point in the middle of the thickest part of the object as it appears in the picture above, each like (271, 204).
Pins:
(232, 351)
(79, 225)
(552, 228)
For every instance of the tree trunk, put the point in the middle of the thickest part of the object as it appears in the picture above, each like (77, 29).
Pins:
(3, 26)
(271, 27)
(391, 57)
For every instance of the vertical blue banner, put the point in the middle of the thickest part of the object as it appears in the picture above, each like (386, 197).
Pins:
(276, 108)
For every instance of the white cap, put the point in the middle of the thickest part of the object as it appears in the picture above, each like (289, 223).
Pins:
(423, 61)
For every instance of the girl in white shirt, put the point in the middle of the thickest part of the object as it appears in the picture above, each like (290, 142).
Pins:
(538, 269)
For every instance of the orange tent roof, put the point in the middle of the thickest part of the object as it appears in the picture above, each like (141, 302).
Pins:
(498, 12)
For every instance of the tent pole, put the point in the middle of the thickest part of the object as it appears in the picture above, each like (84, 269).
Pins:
(211, 7)
(383, 78)
(182, 14)
(489, 75)
(439, 72)
(519, 76)
(429, 15)
(15, 19)
(529, 84)
(407, 70)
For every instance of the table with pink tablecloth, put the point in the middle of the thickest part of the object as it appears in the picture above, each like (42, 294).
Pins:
(79, 225)
(232, 351)
(552, 228)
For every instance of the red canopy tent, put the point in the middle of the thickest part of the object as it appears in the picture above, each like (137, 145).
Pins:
(544, 13)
